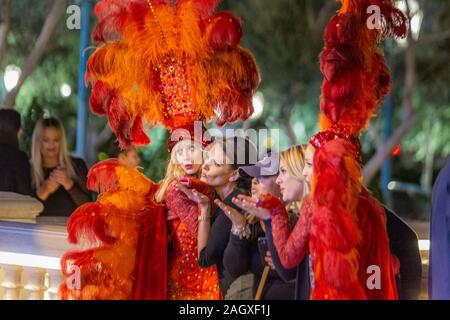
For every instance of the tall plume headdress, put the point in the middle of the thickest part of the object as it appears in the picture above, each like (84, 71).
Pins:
(356, 78)
(170, 63)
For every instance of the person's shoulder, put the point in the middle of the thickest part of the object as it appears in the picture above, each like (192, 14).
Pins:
(399, 226)
(443, 178)
(23, 156)
(76, 160)
(12, 152)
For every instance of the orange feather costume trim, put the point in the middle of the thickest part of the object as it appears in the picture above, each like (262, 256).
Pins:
(116, 227)
(169, 64)
(348, 230)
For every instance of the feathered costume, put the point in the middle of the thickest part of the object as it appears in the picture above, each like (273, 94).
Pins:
(348, 238)
(166, 62)
(125, 231)
(346, 232)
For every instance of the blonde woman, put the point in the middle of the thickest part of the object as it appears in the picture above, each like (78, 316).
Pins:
(59, 180)
(186, 280)
(291, 243)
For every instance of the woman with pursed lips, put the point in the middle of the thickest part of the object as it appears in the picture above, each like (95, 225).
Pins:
(220, 170)
(186, 281)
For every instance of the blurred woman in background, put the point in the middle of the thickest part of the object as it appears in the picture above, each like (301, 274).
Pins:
(59, 180)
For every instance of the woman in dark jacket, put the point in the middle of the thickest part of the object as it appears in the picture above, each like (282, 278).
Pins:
(59, 179)
(220, 171)
(14, 165)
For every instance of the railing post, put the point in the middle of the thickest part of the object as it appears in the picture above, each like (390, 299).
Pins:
(12, 282)
(35, 283)
(55, 279)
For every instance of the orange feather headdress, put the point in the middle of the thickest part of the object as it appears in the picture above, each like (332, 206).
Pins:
(169, 62)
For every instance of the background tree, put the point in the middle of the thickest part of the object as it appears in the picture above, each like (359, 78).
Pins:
(38, 49)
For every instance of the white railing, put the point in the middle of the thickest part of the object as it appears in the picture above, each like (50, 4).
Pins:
(29, 260)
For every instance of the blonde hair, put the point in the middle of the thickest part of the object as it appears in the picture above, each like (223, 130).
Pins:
(294, 159)
(173, 172)
(36, 154)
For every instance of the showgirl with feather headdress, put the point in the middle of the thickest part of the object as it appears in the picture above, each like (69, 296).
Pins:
(163, 62)
(348, 234)
(341, 225)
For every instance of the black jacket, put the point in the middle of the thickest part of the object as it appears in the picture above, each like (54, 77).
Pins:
(300, 274)
(404, 244)
(63, 202)
(219, 236)
(14, 170)
(242, 256)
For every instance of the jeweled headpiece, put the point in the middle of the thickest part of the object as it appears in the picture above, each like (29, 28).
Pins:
(170, 63)
(336, 132)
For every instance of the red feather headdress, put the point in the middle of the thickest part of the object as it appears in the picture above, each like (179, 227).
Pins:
(356, 78)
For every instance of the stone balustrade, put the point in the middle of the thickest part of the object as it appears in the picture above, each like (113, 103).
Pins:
(29, 259)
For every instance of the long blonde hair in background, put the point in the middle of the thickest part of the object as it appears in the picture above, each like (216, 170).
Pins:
(173, 172)
(36, 154)
(294, 159)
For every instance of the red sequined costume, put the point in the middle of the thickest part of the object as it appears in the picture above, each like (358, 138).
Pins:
(292, 245)
(186, 280)
(347, 239)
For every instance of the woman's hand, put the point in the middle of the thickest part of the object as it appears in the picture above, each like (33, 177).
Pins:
(240, 227)
(236, 217)
(186, 181)
(61, 177)
(269, 260)
(47, 188)
(199, 198)
(248, 204)
(51, 185)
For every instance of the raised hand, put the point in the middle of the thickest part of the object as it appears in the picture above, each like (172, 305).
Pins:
(269, 260)
(249, 205)
(186, 181)
(237, 218)
(193, 194)
(51, 184)
(61, 177)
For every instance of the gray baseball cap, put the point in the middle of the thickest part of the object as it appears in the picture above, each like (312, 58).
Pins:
(266, 167)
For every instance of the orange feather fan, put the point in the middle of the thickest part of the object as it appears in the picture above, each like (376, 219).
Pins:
(168, 63)
(111, 228)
